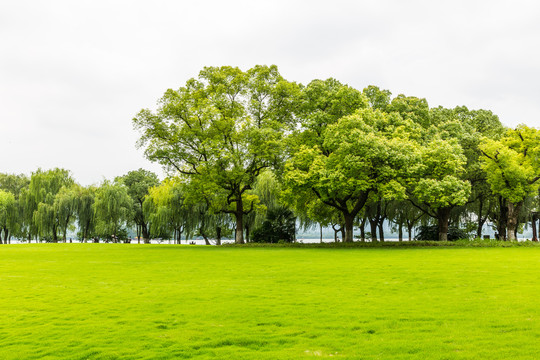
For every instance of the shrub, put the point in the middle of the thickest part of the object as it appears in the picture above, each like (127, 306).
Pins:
(278, 227)
(431, 232)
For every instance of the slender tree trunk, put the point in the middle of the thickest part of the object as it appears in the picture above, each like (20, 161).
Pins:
(400, 231)
(239, 235)
(247, 233)
(381, 231)
(480, 222)
(534, 236)
(363, 230)
(512, 224)
(320, 229)
(409, 229)
(336, 230)
(503, 218)
(54, 234)
(443, 216)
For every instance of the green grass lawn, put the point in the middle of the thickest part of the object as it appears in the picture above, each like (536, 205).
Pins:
(105, 301)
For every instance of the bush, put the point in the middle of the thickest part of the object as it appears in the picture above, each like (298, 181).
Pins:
(279, 227)
(431, 232)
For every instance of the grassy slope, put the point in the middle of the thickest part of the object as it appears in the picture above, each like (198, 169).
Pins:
(104, 301)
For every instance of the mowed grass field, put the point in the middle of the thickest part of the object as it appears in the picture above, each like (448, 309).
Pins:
(105, 301)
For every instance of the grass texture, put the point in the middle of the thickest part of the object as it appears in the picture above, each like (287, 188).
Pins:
(120, 301)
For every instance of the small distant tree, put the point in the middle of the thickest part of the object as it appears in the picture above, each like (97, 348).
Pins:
(138, 183)
(8, 214)
(85, 211)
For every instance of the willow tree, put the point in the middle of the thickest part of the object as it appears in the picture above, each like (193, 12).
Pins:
(65, 207)
(85, 211)
(167, 210)
(17, 185)
(223, 129)
(8, 214)
(112, 209)
(43, 189)
(513, 169)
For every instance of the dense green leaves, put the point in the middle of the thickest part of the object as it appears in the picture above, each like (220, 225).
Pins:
(240, 146)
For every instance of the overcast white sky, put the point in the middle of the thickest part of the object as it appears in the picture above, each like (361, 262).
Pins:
(74, 73)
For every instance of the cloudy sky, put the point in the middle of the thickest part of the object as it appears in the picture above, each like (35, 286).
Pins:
(74, 73)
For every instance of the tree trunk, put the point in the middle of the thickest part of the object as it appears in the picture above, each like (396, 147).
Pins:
(239, 235)
(320, 228)
(503, 218)
(145, 233)
(373, 227)
(247, 233)
(349, 226)
(218, 235)
(443, 216)
(363, 230)
(54, 234)
(409, 229)
(400, 231)
(381, 231)
(534, 234)
(480, 219)
(512, 223)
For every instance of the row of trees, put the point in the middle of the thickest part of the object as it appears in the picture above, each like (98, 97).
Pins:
(49, 204)
(341, 156)
(251, 155)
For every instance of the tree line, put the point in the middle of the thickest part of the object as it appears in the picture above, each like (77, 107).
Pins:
(253, 156)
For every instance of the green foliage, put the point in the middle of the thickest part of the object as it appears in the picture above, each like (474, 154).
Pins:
(368, 152)
(112, 209)
(280, 225)
(222, 129)
(8, 214)
(49, 214)
(437, 176)
(138, 183)
(511, 163)
(431, 232)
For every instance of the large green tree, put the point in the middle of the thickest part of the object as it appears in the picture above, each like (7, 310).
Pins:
(513, 169)
(367, 152)
(436, 183)
(222, 128)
